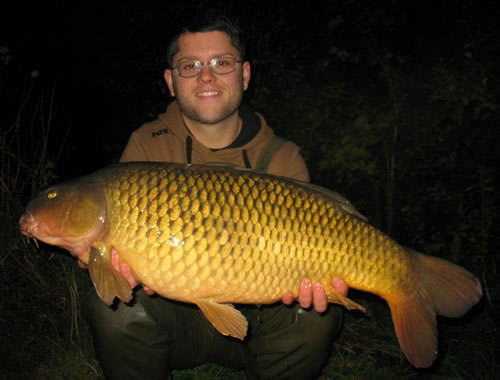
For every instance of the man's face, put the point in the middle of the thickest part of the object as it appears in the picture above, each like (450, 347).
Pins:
(208, 98)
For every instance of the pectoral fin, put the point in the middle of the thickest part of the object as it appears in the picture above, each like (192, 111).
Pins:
(224, 317)
(336, 297)
(109, 283)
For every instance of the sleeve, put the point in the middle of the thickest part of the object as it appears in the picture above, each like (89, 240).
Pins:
(134, 150)
(288, 162)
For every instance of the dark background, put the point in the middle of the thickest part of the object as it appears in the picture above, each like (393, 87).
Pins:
(107, 59)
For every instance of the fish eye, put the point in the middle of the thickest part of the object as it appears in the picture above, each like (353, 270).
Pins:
(51, 194)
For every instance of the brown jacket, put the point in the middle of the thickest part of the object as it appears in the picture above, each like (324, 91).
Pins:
(168, 139)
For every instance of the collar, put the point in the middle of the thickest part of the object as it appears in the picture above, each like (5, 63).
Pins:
(249, 128)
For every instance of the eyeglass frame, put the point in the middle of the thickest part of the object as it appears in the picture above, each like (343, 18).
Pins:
(200, 64)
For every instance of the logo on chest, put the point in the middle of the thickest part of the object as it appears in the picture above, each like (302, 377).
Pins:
(160, 132)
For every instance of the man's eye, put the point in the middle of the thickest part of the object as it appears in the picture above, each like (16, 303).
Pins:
(188, 66)
(222, 62)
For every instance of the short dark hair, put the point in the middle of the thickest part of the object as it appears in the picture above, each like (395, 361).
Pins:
(209, 22)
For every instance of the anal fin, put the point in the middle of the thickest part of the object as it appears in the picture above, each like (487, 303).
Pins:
(224, 317)
(336, 297)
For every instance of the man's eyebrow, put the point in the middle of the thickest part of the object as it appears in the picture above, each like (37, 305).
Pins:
(184, 58)
(211, 57)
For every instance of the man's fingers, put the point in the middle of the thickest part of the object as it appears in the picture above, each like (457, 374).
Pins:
(287, 298)
(315, 295)
(127, 273)
(320, 300)
(123, 268)
(148, 291)
(305, 293)
(340, 286)
(115, 259)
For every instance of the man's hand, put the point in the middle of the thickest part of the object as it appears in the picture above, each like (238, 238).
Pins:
(124, 269)
(315, 295)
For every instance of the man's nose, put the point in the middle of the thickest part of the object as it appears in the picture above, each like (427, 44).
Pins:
(206, 74)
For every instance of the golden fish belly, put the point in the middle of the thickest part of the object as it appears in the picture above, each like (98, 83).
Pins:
(190, 233)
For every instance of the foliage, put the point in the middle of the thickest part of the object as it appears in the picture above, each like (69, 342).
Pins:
(40, 323)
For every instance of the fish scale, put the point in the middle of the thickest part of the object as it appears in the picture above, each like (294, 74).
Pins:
(263, 218)
(215, 235)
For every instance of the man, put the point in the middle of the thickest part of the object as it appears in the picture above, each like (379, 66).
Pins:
(207, 75)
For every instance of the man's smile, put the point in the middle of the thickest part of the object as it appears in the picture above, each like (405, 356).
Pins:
(208, 93)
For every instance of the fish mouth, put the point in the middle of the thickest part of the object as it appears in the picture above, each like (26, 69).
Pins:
(29, 227)
(28, 224)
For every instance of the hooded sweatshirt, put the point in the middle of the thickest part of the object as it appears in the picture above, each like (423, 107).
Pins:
(167, 139)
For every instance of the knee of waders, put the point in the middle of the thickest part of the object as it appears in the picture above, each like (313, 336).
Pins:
(121, 332)
(320, 329)
(297, 350)
(121, 320)
(314, 336)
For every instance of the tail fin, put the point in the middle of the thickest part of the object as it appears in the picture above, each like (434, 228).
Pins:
(444, 289)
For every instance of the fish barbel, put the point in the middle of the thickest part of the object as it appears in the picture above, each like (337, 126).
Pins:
(216, 235)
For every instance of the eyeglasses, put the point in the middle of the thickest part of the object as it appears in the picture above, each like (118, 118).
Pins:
(189, 68)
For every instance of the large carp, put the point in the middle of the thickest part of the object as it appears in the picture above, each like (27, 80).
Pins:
(216, 235)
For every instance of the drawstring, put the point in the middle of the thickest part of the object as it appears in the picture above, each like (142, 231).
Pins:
(245, 159)
(189, 148)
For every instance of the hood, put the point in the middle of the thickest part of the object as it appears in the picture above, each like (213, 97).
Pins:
(255, 133)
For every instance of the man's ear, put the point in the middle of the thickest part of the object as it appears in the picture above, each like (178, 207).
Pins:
(167, 75)
(246, 74)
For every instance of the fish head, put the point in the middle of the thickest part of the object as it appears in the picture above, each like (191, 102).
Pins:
(71, 216)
